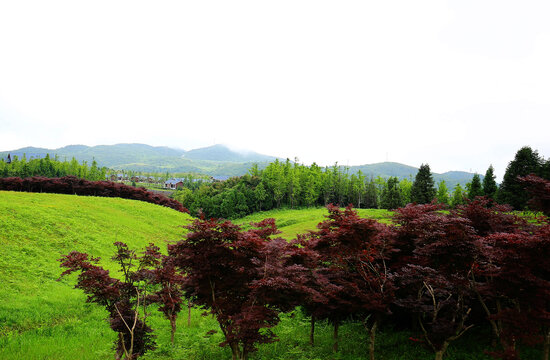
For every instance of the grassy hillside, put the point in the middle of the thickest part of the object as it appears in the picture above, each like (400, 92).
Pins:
(41, 318)
(36, 311)
(294, 222)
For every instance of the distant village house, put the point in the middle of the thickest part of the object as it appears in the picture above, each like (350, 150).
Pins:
(173, 184)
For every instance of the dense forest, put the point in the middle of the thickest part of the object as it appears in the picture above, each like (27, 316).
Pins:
(292, 185)
(48, 167)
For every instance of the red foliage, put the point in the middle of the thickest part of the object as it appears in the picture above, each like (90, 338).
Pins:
(438, 251)
(539, 189)
(487, 217)
(121, 298)
(516, 285)
(350, 254)
(160, 271)
(346, 258)
(511, 275)
(77, 186)
(240, 277)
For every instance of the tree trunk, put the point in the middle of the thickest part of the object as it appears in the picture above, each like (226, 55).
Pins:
(235, 351)
(439, 353)
(546, 347)
(173, 329)
(312, 331)
(372, 333)
(335, 337)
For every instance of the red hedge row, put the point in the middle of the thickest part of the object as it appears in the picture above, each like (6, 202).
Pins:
(77, 186)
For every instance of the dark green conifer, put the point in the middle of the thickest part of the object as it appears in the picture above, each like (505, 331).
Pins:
(511, 191)
(442, 193)
(423, 188)
(391, 195)
(474, 188)
(458, 196)
(490, 187)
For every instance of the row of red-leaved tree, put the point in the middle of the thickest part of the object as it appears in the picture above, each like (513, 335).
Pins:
(77, 186)
(443, 271)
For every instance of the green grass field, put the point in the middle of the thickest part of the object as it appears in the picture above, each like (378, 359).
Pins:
(300, 221)
(41, 318)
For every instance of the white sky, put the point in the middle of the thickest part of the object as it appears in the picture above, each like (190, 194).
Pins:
(459, 85)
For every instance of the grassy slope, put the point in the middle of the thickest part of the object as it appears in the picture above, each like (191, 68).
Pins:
(41, 318)
(36, 311)
(293, 222)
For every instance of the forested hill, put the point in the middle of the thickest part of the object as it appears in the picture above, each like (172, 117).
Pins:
(401, 171)
(216, 160)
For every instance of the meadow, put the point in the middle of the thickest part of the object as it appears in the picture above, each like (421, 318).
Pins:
(43, 318)
(292, 222)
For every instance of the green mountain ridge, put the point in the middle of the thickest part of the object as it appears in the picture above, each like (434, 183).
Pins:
(401, 171)
(216, 160)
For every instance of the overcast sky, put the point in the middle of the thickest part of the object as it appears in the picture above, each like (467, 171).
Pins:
(457, 84)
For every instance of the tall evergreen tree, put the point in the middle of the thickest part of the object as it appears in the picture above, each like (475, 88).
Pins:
(405, 186)
(391, 195)
(458, 196)
(545, 170)
(442, 193)
(489, 183)
(511, 190)
(423, 188)
(475, 188)
(371, 195)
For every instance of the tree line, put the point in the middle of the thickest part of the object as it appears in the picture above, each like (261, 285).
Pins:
(293, 185)
(435, 273)
(51, 168)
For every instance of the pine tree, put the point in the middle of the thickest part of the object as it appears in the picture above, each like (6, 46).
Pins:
(511, 190)
(391, 195)
(489, 184)
(260, 194)
(405, 185)
(442, 193)
(458, 196)
(371, 195)
(474, 188)
(423, 189)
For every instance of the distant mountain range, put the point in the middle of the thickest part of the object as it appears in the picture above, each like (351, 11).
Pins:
(216, 160)
(401, 171)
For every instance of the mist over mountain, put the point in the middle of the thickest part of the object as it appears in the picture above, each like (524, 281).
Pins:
(223, 153)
